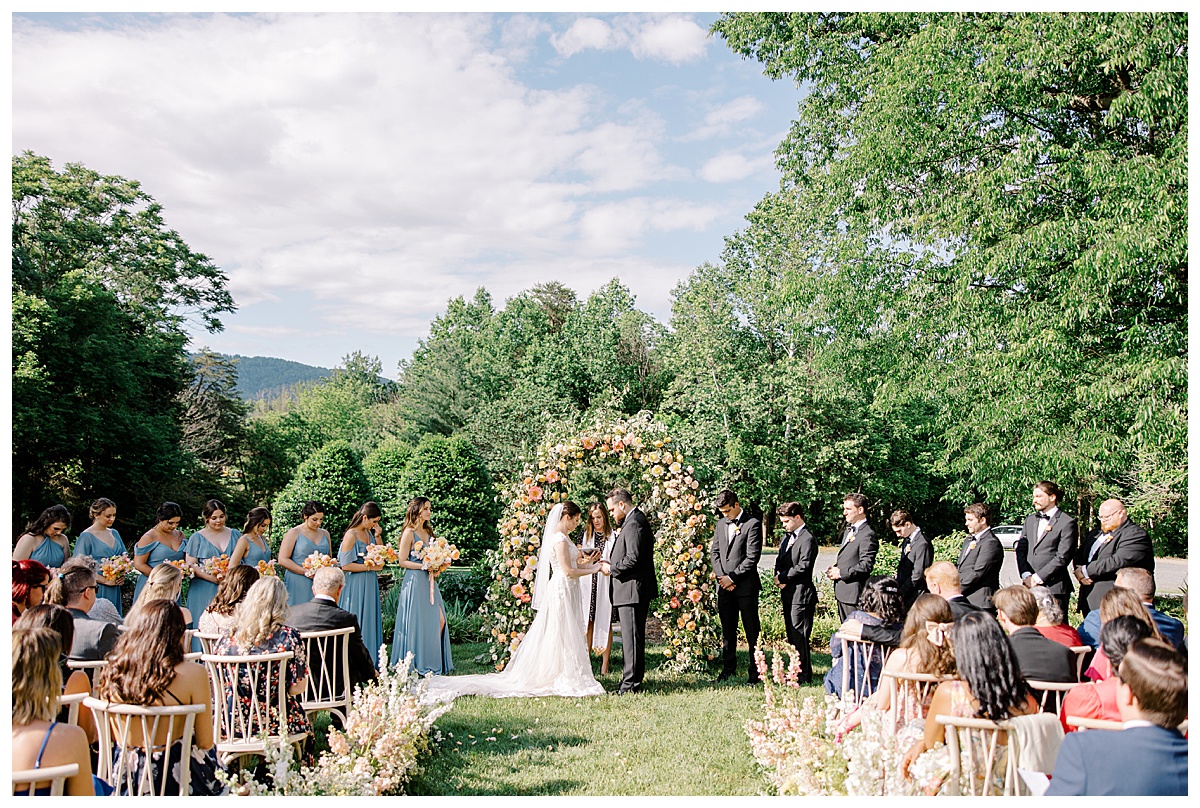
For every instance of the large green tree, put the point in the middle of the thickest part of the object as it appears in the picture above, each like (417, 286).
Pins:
(101, 288)
(993, 209)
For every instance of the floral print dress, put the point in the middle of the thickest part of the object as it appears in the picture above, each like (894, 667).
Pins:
(285, 638)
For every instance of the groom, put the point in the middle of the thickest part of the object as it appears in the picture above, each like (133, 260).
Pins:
(634, 584)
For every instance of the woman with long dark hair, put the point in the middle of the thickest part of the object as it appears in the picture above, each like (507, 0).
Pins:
(299, 543)
(101, 542)
(213, 540)
(990, 687)
(147, 668)
(420, 623)
(361, 594)
(253, 545)
(162, 543)
(45, 539)
(220, 617)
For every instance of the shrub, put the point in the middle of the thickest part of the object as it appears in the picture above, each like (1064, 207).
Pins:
(333, 476)
(384, 468)
(468, 587)
(451, 474)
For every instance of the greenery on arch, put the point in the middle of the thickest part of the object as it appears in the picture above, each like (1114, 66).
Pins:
(636, 453)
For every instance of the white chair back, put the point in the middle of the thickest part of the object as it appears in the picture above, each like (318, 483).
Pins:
(980, 765)
(858, 657)
(328, 670)
(115, 723)
(1093, 723)
(1081, 654)
(207, 641)
(72, 703)
(246, 705)
(909, 695)
(1051, 693)
(88, 665)
(25, 782)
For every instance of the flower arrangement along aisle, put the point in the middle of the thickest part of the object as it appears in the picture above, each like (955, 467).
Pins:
(637, 450)
(388, 731)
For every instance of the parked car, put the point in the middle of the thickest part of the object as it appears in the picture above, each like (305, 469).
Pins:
(1008, 535)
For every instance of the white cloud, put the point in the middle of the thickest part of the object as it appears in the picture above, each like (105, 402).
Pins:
(727, 167)
(735, 111)
(586, 33)
(674, 39)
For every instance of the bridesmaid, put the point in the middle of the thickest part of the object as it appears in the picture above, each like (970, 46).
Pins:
(210, 541)
(163, 542)
(420, 625)
(100, 543)
(45, 540)
(253, 546)
(298, 544)
(361, 595)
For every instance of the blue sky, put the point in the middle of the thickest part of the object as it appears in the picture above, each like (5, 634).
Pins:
(353, 172)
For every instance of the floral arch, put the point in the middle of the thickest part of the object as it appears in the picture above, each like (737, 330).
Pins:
(637, 450)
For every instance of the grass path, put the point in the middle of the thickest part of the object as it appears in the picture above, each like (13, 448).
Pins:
(683, 736)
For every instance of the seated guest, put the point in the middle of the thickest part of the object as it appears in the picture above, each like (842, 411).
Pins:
(1116, 602)
(75, 588)
(1141, 582)
(879, 606)
(991, 687)
(1149, 757)
(942, 578)
(219, 617)
(1099, 699)
(29, 581)
(260, 629)
(147, 668)
(924, 648)
(165, 582)
(38, 741)
(322, 613)
(1038, 658)
(1051, 623)
(59, 620)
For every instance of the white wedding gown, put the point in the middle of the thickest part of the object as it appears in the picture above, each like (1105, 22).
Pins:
(552, 659)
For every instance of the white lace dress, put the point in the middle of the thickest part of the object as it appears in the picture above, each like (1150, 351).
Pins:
(552, 660)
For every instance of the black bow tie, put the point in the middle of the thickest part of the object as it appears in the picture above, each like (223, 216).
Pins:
(1041, 515)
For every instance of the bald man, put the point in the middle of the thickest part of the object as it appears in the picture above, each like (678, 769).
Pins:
(1117, 543)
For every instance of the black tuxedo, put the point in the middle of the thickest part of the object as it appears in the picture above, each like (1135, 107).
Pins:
(1042, 659)
(916, 554)
(960, 606)
(736, 548)
(634, 584)
(979, 565)
(794, 569)
(1047, 553)
(855, 560)
(1128, 547)
(320, 614)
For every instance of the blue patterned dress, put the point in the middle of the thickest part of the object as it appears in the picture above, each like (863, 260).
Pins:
(361, 597)
(49, 552)
(94, 547)
(200, 591)
(156, 553)
(299, 587)
(417, 624)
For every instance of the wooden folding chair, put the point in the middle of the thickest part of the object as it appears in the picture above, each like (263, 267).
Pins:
(907, 692)
(328, 670)
(859, 655)
(979, 764)
(72, 703)
(1082, 652)
(1051, 693)
(239, 726)
(24, 783)
(127, 730)
(1094, 723)
(207, 641)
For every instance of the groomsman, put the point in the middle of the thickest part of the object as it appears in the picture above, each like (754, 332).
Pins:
(1047, 544)
(794, 576)
(856, 555)
(916, 554)
(736, 547)
(1118, 543)
(980, 560)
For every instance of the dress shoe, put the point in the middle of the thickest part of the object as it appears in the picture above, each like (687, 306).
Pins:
(724, 676)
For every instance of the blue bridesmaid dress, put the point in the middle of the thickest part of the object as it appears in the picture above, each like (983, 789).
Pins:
(299, 587)
(156, 553)
(93, 546)
(361, 597)
(200, 591)
(255, 554)
(49, 553)
(417, 622)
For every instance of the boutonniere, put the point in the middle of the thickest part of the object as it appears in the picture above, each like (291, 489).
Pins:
(1106, 538)
(737, 528)
(1046, 527)
(972, 545)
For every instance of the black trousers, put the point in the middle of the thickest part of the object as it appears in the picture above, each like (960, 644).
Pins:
(798, 621)
(729, 606)
(633, 644)
(844, 610)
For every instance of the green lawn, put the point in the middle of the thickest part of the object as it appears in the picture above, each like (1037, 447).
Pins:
(683, 736)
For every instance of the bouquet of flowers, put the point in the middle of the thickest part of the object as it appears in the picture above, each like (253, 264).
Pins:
(266, 569)
(317, 560)
(118, 568)
(183, 567)
(217, 566)
(379, 555)
(436, 557)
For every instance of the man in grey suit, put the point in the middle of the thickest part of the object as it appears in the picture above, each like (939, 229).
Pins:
(75, 589)
(1047, 545)
(634, 584)
(736, 548)
(980, 560)
(856, 556)
(1118, 543)
(794, 577)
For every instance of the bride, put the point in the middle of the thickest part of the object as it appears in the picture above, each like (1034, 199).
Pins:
(552, 659)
